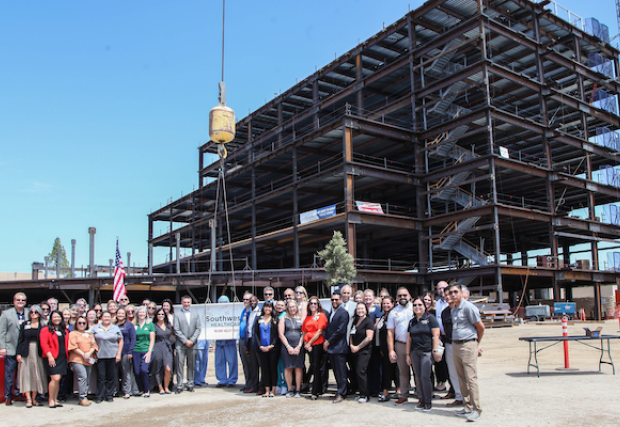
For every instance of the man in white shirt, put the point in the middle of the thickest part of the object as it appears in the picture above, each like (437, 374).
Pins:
(397, 330)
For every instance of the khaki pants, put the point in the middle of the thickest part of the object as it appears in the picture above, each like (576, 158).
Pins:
(401, 361)
(465, 361)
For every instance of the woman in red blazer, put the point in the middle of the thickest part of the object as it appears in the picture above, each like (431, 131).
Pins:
(54, 343)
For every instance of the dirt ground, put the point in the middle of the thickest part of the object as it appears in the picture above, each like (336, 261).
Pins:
(509, 396)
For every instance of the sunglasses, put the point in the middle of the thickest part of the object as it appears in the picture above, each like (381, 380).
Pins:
(316, 303)
(401, 296)
(151, 308)
(268, 293)
(130, 312)
(20, 300)
(335, 299)
(299, 292)
(246, 299)
(161, 314)
(98, 310)
(81, 323)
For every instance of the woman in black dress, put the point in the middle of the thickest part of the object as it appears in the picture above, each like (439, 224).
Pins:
(31, 373)
(161, 362)
(360, 342)
(389, 369)
(54, 344)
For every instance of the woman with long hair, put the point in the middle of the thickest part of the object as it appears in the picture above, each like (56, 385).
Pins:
(291, 336)
(422, 348)
(99, 310)
(54, 341)
(161, 362)
(313, 327)
(389, 369)
(82, 350)
(30, 371)
(266, 335)
(129, 341)
(67, 318)
(143, 350)
(301, 296)
(360, 342)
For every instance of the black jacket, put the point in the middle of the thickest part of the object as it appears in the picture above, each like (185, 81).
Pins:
(336, 332)
(23, 343)
(274, 332)
(446, 319)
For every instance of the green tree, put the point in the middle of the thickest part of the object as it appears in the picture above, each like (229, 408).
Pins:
(339, 264)
(59, 249)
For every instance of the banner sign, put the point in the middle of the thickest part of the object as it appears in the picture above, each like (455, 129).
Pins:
(369, 207)
(221, 320)
(315, 214)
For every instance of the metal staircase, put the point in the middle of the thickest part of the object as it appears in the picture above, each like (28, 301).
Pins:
(447, 148)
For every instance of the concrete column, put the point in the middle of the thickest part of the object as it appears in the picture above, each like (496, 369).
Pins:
(111, 261)
(150, 258)
(91, 258)
(73, 241)
(47, 262)
(128, 269)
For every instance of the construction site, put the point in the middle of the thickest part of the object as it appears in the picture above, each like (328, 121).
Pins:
(472, 141)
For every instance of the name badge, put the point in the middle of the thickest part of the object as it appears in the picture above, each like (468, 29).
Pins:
(424, 322)
(353, 330)
(316, 318)
(59, 333)
(27, 327)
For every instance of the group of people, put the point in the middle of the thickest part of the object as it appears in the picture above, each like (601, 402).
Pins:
(124, 350)
(286, 347)
(370, 344)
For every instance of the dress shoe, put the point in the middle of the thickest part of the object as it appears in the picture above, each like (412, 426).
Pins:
(84, 403)
(338, 399)
(401, 400)
(230, 386)
(449, 396)
(179, 391)
(19, 398)
(260, 392)
(220, 386)
(249, 390)
(455, 403)
(190, 389)
(8, 402)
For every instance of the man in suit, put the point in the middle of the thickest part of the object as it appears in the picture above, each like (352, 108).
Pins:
(10, 323)
(252, 384)
(336, 345)
(187, 327)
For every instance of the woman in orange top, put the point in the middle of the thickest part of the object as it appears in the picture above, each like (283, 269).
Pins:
(54, 343)
(82, 350)
(313, 327)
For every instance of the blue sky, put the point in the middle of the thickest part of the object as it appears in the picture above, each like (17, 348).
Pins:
(104, 103)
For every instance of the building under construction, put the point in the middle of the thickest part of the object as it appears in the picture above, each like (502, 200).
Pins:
(472, 141)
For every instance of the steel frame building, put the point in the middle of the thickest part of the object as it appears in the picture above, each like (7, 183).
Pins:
(473, 123)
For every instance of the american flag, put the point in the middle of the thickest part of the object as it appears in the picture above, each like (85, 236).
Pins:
(119, 276)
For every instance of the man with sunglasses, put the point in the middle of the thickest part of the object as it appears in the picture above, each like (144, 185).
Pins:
(289, 294)
(336, 344)
(467, 332)
(243, 322)
(10, 323)
(397, 332)
(123, 301)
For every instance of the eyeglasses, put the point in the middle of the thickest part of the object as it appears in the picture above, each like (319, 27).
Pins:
(454, 292)
(418, 305)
